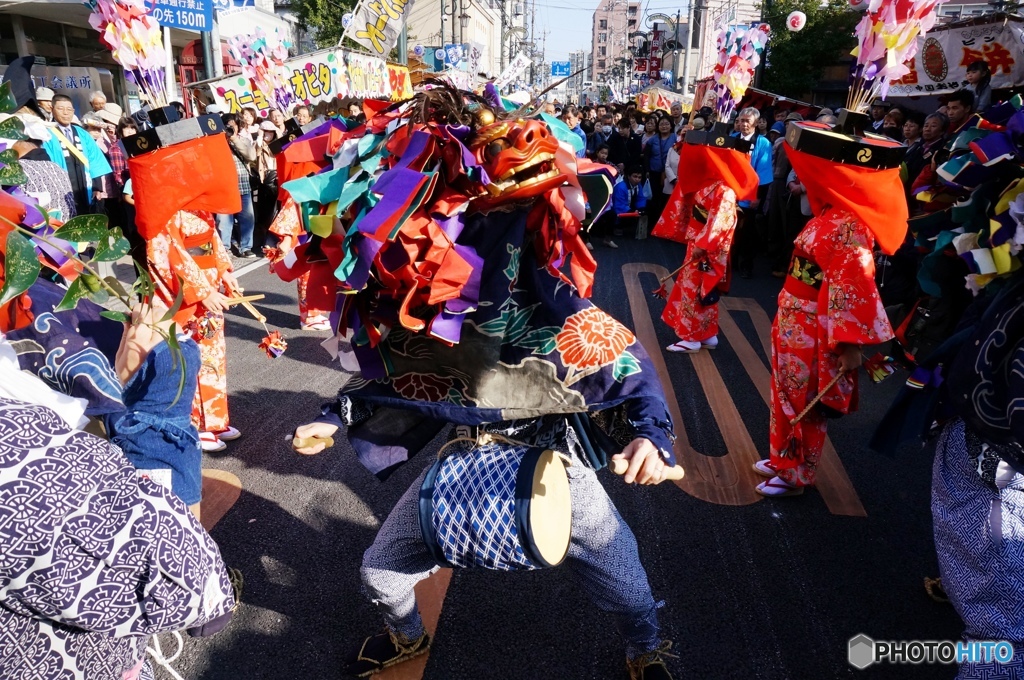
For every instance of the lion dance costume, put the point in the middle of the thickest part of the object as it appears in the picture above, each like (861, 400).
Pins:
(467, 285)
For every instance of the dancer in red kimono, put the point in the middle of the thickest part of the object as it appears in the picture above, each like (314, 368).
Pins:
(287, 226)
(829, 307)
(716, 176)
(189, 253)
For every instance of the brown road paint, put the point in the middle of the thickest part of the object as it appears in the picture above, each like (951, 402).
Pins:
(430, 594)
(221, 490)
(729, 479)
(726, 480)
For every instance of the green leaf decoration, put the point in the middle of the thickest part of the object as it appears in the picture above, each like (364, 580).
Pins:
(625, 365)
(113, 246)
(115, 316)
(21, 266)
(8, 104)
(143, 286)
(76, 291)
(540, 340)
(13, 128)
(100, 297)
(12, 173)
(84, 228)
(116, 286)
(177, 302)
(178, 360)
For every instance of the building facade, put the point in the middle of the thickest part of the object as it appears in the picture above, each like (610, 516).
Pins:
(610, 57)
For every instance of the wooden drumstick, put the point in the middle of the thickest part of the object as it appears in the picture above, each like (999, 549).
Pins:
(242, 299)
(816, 399)
(620, 465)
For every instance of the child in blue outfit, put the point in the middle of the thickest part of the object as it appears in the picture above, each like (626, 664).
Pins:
(629, 201)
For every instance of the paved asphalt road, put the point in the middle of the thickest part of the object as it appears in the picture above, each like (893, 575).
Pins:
(772, 589)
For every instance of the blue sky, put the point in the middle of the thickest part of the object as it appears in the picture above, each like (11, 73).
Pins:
(568, 22)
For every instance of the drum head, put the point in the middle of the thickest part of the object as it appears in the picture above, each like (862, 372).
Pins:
(550, 509)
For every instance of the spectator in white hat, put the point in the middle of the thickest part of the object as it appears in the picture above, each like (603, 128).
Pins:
(44, 97)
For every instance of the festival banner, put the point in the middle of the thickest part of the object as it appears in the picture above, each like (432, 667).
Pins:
(512, 71)
(401, 82)
(377, 24)
(368, 77)
(943, 55)
(310, 79)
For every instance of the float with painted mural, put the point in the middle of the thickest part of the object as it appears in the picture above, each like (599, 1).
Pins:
(313, 78)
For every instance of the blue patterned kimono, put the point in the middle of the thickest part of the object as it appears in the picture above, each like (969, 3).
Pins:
(94, 559)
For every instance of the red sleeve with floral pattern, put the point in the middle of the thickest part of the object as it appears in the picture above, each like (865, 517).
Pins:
(855, 314)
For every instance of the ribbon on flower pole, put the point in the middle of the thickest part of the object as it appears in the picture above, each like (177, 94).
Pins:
(135, 41)
(887, 38)
(739, 53)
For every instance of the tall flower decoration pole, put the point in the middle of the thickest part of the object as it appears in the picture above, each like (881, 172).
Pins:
(886, 39)
(739, 54)
(134, 39)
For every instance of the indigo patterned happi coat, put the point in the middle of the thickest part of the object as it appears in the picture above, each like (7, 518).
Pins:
(531, 347)
(711, 227)
(72, 351)
(94, 559)
(829, 298)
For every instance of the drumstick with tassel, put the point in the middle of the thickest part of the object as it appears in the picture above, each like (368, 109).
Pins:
(660, 291)
(273, 343)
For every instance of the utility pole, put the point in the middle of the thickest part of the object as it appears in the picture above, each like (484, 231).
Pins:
(675, 61)
(689, 43)
(533, 43)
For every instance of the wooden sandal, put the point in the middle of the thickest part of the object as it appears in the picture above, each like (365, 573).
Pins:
(775, 483)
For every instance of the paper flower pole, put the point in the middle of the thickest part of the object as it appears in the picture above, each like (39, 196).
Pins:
(886, 39)
(739, 53)
(262, 58)
(134, 39)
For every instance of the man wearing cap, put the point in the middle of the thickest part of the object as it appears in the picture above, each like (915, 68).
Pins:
(44, 98)
(72, 148)
(879, 108)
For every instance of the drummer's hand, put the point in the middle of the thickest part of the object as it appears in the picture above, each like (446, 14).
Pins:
(646, 465)
(320, 430)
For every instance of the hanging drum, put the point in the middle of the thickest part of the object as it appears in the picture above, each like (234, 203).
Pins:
(499, 506)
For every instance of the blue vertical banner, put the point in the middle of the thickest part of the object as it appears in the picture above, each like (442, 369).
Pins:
(192, 15)
(455, 54)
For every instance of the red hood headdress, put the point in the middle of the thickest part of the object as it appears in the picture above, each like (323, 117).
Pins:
(713, 155)
(853, 173)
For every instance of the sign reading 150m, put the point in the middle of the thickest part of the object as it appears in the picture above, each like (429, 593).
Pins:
(194, 15)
